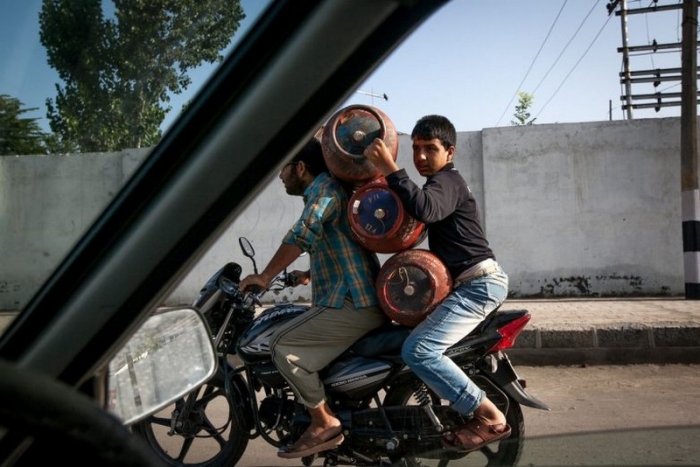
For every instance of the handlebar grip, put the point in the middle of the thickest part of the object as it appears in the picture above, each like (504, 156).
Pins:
(255, 290)
(252, 296)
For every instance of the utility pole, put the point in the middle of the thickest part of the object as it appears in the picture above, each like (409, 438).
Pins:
(626, 58)
(655, 76)
(690, 194)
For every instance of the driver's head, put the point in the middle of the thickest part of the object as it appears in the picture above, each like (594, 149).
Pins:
(303, 168)
(312, 157)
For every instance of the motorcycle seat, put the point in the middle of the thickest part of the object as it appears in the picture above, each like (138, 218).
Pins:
(385, 340)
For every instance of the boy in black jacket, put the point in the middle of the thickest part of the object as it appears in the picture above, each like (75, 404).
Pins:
(448, 208)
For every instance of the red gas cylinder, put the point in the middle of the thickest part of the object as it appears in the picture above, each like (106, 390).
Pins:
(411, 284)
(379, 221)
(346, 135)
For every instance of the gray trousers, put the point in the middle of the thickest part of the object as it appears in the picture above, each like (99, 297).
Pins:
(311, 341)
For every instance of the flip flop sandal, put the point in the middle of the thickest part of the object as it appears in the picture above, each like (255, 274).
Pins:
(475, 435)
(308, 445)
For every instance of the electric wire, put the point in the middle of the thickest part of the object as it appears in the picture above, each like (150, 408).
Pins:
(575, 65)
(646, 22)
(533, 62)
(577, 62)
(568, 44)
(679, 27)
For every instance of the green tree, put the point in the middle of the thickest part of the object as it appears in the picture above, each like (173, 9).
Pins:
(119, 66)
(522, 113)
(19, 135)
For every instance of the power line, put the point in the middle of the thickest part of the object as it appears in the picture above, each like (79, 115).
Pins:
(532, 63)
(575, 65)
(568, 44)
(651, 56)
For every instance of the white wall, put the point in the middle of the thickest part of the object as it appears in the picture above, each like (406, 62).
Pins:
(579, 209)
(587, 209)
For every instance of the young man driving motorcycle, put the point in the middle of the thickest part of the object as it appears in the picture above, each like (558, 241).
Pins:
(344, 304)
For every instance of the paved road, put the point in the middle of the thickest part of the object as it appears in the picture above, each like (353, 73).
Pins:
(594, 398)
(600, 415)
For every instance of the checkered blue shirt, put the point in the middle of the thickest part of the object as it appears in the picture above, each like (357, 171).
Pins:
(339, 265)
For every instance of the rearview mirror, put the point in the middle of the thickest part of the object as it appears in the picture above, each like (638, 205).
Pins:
(246, 247)
(169, 356)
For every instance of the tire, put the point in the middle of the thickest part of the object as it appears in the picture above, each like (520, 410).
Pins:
(201, 440)
(506, 452)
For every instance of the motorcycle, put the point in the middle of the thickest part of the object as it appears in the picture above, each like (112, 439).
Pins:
(389, 416)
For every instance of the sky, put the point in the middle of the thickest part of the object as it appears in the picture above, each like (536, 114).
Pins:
(467, 62)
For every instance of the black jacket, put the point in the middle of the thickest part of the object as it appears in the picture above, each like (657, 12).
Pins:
(447, 207)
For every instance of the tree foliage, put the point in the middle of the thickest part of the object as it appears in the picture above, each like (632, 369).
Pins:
(19, 135)
(522, 113)
(121, 60)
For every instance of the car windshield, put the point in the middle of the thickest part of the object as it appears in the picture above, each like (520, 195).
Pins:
(88, 88)
(142, 141)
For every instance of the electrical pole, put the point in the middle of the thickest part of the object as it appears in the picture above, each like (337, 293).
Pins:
(690, 193)
(626, 58)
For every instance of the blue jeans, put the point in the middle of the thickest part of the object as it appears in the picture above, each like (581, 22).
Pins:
(461, 311)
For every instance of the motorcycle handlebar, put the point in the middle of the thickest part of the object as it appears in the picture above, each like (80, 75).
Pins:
(252, 297)
(253, 294)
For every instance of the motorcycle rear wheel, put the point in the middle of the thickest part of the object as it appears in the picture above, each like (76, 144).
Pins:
(506, 452)
(204, 439)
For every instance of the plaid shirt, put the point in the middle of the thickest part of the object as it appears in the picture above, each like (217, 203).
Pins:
(339, 265)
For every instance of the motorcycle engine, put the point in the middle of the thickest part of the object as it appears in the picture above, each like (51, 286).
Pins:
(276, 412)
(412, 430)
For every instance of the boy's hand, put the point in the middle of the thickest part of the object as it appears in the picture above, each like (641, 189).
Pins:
(379, 155)
(301, 277)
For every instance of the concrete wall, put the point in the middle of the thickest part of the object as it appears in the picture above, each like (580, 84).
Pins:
(581, 209)
(586, 209)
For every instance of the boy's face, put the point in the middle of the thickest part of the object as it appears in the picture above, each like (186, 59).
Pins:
(429, 156)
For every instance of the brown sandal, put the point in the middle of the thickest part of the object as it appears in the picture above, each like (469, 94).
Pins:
(311, 444)
(475, 435)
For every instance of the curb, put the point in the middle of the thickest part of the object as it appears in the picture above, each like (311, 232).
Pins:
(629, 343)
(664, 342)
(604, 356)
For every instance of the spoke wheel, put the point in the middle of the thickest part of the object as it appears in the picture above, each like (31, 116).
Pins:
(506, 452)
(210, 435)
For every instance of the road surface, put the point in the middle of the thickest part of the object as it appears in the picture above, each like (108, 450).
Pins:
(600, 415)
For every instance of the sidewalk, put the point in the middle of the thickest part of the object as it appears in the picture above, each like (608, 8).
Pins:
(599, 331)
(608, 331)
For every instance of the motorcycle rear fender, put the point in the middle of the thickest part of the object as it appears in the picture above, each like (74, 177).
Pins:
(499, 369)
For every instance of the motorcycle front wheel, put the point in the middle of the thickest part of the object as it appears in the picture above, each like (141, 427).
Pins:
(506, 452)
(211, 434)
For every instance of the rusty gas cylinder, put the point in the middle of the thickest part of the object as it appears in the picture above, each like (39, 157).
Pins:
(345, 137)
(411, 284)
(379, 221)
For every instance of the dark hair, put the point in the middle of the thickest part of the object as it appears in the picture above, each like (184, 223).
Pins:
(435, 126)
(312, 156)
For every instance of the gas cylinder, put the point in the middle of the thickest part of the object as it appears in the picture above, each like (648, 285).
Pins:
(345, 137)
(411, 284)
(379, 221)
